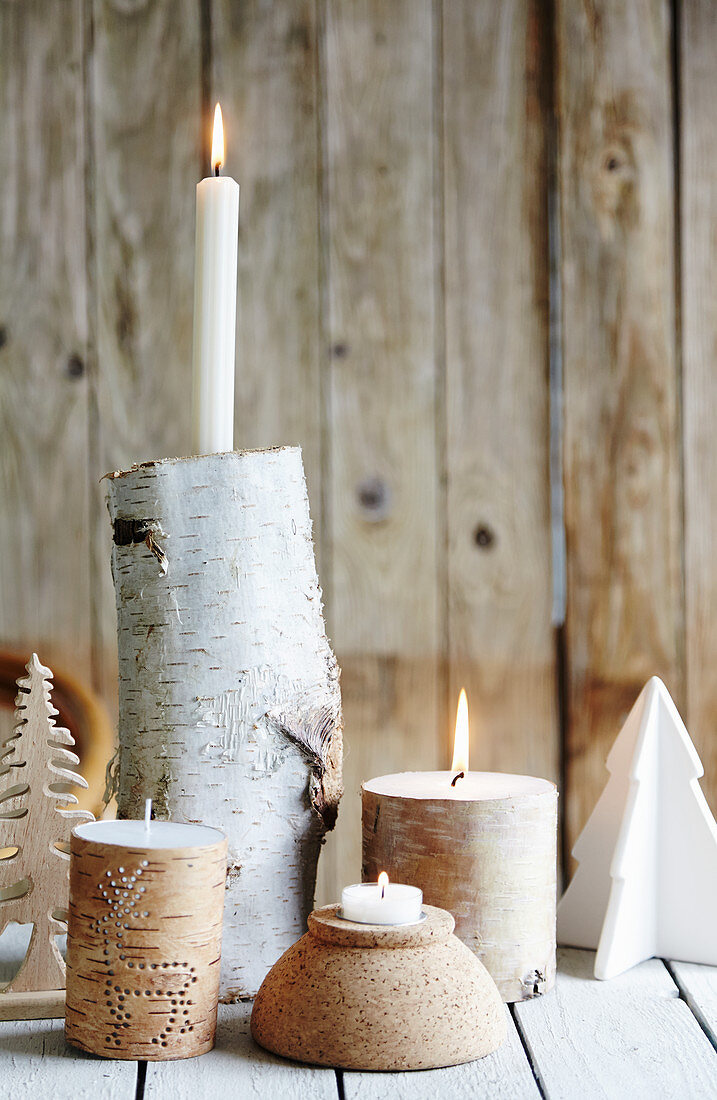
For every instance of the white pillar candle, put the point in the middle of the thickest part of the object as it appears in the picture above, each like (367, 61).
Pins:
(471, 787)
(381, 902)
(215, 294)
(159, 834)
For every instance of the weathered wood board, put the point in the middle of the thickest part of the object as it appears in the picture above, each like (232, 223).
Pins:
(698, 986)
(36, 1061)
(500, 641)
(631, 1036)
(237, 1066)
(622, 464)
(382, 549)
(44, 389)
(698, 202)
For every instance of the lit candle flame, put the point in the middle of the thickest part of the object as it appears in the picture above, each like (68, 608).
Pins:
(461, 741)
(217, 141)
(147, 812)
(383, 882)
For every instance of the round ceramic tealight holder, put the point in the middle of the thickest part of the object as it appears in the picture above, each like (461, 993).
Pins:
(379, 997)
(144, 939)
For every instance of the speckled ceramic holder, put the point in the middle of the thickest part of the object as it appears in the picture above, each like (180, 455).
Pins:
(144, 948)
(379, 997)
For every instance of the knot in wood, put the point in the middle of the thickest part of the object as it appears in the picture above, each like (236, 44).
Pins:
(484, 536)
(374, 497)
(75, 366)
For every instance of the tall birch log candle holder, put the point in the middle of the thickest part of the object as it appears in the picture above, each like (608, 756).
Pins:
(144, 939)
(379, 996)
(229, 703)
(485, 849)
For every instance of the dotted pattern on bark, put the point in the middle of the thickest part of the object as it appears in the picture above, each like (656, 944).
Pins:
(168, 1000)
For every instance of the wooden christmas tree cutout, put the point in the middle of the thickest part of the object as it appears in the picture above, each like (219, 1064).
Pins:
(647, 881)
(37, 774)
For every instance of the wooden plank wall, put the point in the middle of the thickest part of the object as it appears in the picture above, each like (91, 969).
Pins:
(625, 613)
(395, 158)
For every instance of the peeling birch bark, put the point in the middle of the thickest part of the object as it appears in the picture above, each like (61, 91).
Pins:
(230, 710)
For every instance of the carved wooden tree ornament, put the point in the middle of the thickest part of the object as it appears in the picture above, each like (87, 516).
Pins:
(37, 772)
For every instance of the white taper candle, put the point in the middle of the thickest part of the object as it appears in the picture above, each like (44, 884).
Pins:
(215, 290)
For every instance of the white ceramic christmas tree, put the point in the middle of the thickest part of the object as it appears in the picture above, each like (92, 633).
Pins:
(647, 880)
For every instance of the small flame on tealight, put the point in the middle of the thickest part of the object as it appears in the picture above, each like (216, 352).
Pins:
(217, 141)
(461, 740)
(147, 812)
(383, 883)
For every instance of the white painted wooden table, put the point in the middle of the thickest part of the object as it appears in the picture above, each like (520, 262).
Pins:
(651, 1033)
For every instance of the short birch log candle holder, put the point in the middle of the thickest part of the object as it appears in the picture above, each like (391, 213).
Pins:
(486, 850)
(379, 997)
(144, 939)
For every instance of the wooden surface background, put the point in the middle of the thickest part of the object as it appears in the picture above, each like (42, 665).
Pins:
(478, 257)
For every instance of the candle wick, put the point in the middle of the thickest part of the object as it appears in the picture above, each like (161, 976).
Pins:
(216, 169)
(383, 891)
(461, 775)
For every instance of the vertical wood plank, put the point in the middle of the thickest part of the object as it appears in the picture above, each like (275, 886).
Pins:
(699, 338)
(264, 62)
(44, 547)
(496, 268)
(622, 470)
(146, 105)
(383, 495)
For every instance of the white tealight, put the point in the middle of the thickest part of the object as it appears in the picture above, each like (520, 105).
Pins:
(159, 834)
(376, 903)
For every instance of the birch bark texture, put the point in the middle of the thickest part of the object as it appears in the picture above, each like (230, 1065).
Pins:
(491, 863)
(229, 702)
(143, 946)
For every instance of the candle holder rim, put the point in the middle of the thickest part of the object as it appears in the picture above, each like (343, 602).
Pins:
(242, 452)
(549, 788)
(327, 925)
(399, 924)
(140, 849)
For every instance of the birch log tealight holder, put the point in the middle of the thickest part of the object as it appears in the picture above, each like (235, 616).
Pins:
(378, 992)
(144, 938)
(229, 701)
(481, 845)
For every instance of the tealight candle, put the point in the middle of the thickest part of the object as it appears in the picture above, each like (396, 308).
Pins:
(381, 902)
